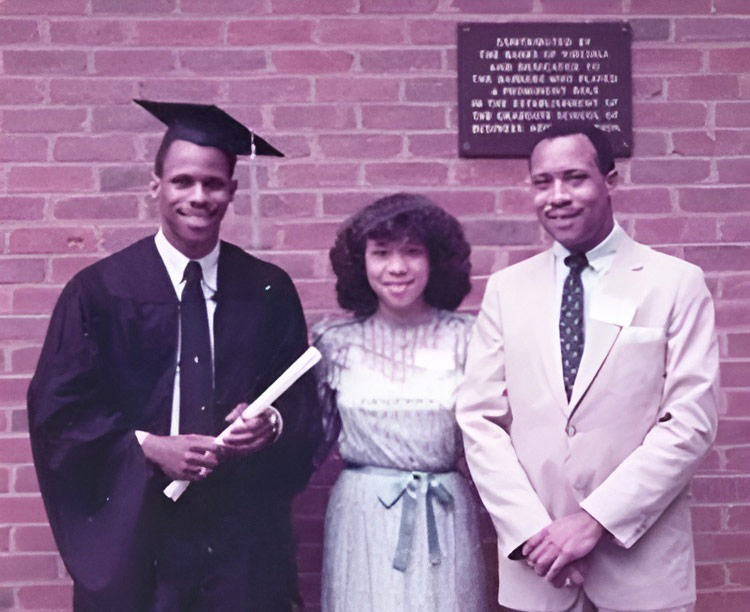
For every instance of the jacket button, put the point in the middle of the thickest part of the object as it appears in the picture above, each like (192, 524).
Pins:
(571, 431)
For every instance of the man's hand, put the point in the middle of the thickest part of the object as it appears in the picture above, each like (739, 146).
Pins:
(562, 542)
(573, 574)
(251, 435)
(186, 457)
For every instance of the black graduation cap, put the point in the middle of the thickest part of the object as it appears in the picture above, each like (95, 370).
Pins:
(208, 126)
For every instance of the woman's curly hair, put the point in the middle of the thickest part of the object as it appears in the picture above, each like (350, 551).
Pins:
(394, 218)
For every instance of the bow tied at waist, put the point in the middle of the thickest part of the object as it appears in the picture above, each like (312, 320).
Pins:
(406, 486)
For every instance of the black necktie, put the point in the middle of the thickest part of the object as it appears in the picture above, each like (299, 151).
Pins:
(196, 372)
(571, 320)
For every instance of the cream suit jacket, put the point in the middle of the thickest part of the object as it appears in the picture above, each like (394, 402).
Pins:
(642, 415)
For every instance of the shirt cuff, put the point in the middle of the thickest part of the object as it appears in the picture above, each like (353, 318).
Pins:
(141, 436)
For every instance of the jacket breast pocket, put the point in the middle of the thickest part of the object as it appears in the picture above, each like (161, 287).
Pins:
(634, 369)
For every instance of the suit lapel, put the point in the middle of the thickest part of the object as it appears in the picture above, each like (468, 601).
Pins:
(600, 336)
(613, 308)
(542, 287)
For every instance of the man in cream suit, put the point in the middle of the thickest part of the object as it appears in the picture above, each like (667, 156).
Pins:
(589, 401)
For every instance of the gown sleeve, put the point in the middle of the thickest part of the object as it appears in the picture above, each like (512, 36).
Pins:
(92, 474)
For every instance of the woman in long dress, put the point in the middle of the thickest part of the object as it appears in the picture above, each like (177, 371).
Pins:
(402, 529)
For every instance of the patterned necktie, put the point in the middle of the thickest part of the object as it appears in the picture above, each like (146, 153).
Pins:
(571, 320)
(196, 372)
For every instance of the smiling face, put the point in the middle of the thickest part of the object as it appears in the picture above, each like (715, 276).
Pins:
(571, 195)
(398, 272)
(193, 194)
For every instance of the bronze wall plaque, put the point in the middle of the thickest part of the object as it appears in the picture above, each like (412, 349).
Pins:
(515, 79)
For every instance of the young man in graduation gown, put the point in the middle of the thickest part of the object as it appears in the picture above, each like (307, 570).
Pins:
(149, 354)
(589, 401)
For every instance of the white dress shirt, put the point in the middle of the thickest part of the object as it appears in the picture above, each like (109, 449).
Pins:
(600, 260)
(175, 262)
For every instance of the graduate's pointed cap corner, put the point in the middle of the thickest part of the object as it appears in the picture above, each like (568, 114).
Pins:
(208, 126)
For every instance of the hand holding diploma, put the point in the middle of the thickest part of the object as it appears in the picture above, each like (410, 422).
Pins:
(243, 431)
(186, 457)
(248, 435)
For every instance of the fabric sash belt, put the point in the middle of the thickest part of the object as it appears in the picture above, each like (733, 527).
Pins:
(406, 485)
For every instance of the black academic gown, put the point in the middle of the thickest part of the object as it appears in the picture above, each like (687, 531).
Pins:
(107, 369)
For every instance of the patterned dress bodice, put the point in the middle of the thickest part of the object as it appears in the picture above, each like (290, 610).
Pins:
(390, 389)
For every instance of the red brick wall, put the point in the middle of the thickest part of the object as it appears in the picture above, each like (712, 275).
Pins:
(361, 95)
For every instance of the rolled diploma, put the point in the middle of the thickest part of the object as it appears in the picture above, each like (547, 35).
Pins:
(305, 361)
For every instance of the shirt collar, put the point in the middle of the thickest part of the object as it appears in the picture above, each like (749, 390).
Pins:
(175, 262)
(600, 254)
